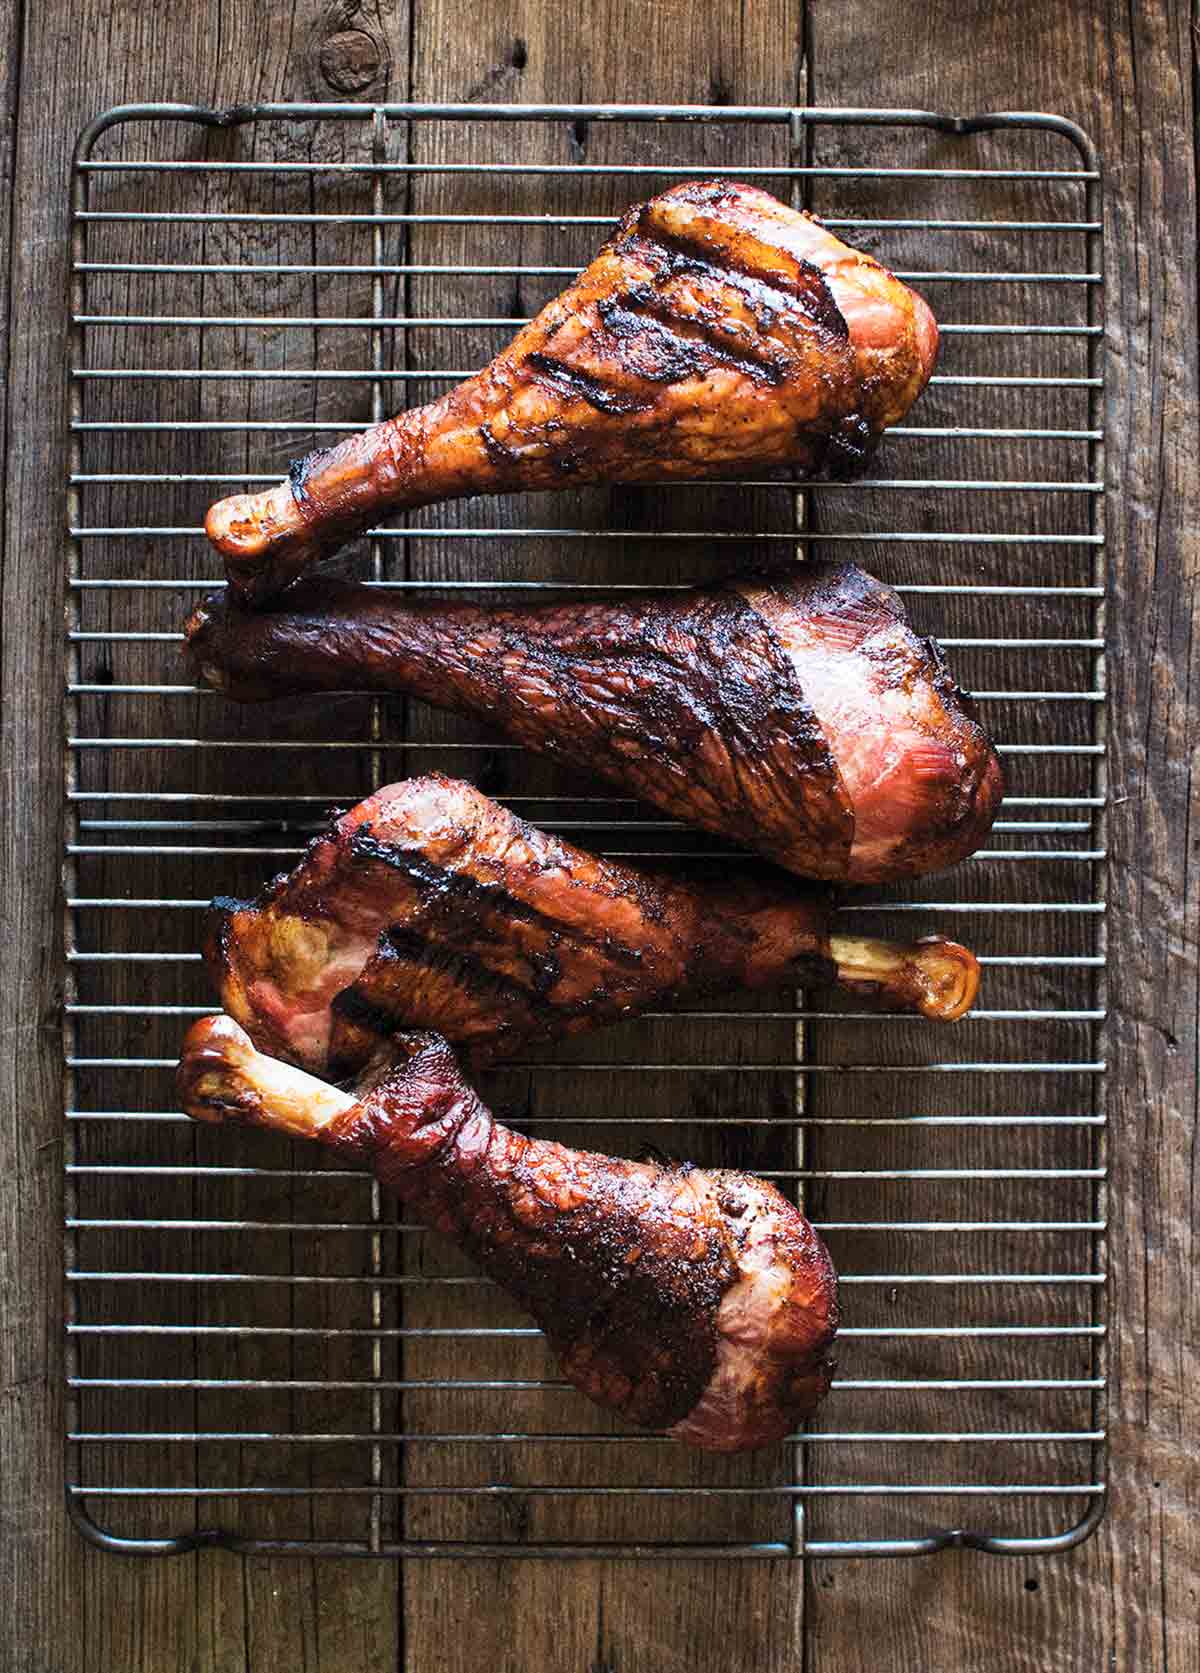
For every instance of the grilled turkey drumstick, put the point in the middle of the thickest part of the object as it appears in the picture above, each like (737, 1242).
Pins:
(798, 714)
(429, 906)
(715, 331)
(700, 1302)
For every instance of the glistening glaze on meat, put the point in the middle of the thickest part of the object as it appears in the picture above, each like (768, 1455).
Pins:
(692, 1300)
(430, 906)
(921, 776)
(797, 714)
(717, 330)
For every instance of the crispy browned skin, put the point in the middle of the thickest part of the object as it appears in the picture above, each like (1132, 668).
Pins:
(716, 330)
(797, 714)
(700, 1302)
(430, 906)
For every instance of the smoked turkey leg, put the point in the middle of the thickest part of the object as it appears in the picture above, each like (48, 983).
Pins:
(692, 1300)
(716, 331)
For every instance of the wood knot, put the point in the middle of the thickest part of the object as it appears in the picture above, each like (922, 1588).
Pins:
(350, 60)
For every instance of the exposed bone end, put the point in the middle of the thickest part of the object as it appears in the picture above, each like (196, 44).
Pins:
(262, 539)
(933, 976)
(222, 1077)
(246, 526)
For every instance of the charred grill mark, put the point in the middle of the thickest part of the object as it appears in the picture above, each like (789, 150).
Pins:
(671, 347)
(299, 472)
(776, 291)
(764, 306)
(425, 875)
(473, 897)
(768, 295)
(355, 1006)
(481, 992)
(706, 688)
(481, 984)
(795, 280)
(502, 457)
(572, 381)
(497, 1000)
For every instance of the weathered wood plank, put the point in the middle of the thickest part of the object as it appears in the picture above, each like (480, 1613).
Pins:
(1143, 67)
(41, 1561)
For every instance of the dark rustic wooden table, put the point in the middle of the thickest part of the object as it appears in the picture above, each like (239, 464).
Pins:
(1128, 1598)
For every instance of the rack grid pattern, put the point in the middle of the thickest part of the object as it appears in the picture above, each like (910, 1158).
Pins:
(261, 1354)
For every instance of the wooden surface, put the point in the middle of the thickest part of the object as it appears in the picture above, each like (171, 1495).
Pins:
(1127, 1599)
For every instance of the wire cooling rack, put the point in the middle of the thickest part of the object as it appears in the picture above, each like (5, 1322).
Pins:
(261, 1354)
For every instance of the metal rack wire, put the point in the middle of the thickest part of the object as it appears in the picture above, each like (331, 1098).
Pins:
(260, 1354)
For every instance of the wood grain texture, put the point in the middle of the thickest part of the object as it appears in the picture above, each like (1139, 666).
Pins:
(1146, 1560)
(1127, 1600)
(41, 1561)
